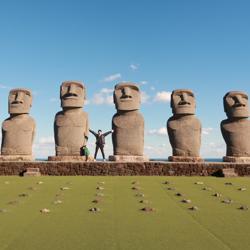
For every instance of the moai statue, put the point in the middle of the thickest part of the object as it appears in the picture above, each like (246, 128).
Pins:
(128, 124)
(71, 125)
(18, 130)
(184, 129)
(236, 129)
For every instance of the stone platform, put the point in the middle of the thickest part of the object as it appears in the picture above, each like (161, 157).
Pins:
(150, 168)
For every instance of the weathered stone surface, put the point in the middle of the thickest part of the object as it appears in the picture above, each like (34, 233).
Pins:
(32, 172)
(236, 129)
(229, 172)
(67, 158)
(185, 159)
(71, 126)
(18, 130)
(128, 122)
(128, 158)
(16, 158)
(184, 129)
(124, 168)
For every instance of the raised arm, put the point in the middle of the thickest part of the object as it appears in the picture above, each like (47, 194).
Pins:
(93, 132)
(107, 133)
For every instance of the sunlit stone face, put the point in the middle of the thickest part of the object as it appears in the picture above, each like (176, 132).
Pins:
(72, 94)
(20, 101)
(236, 104)
(183, 101)
(127, 97)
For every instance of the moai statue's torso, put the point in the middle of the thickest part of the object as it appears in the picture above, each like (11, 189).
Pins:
(128, 138)
(128, 122)
(71, 125)
(71, 129)
(184, 129)
(18, 130)
(185, 135)
(237, 137)
(236, 129)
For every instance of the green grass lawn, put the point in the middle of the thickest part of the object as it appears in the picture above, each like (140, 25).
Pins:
(121, 224)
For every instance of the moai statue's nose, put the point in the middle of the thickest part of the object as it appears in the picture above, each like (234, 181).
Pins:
(72, 89)
(239, 100)
(126, 92)
(19, 97)
(184, 97)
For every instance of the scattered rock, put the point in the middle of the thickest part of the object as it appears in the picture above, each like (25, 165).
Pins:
(242, 189)
(64, 188)
(45, 211)
(227, 201)
(179, 194)
(199, 183)
(99, 194)
(6, 182)
(194, 208)
(15, 202)
(243, 207)
(2, 210)
(171, 188)
(57, 202)
(148, 209)
(166, 182)
(39, 183)
(135, 182)
(100, 188)
(101, 183)
(186, 201)
(229, 183)
(136, 188)
(144, 201)
(96, 201)
(95, 209)
(140, 195)
(207, 188)
(217, 195)
(23, 195)
(32, 188)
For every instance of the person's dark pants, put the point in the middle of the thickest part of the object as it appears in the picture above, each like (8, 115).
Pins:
(101, 148)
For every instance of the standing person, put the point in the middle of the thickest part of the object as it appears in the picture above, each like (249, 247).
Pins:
(100, 141)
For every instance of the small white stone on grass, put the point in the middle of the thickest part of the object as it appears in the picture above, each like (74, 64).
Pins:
(57, 202)
(186, 201)
(45, 211)
(6, 182)
(2, 210)
(199, 183)
(100, 188)
(242, 189)
(65, 188)
(39, 183)
(95, 209)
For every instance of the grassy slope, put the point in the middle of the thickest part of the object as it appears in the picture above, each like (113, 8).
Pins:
(120, 224)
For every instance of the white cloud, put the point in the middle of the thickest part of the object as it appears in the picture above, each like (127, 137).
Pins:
(143, 82)
(206, 131)
(2, 86)
(44, 147)
(163, 96)
(112, 78)
(152, 88)
(160, 132)
(144, 97)
(134, 67)
(103, 97)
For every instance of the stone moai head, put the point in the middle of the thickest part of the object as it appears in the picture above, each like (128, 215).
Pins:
(183, 102)
(20, 101)
(127, 96)
(236, 104)
(72, 94)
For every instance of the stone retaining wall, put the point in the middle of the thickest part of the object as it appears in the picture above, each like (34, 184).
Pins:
(125, 168)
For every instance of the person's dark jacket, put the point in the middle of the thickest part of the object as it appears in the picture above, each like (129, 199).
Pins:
(100, 139)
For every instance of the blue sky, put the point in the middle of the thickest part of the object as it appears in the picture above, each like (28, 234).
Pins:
(162, 45)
